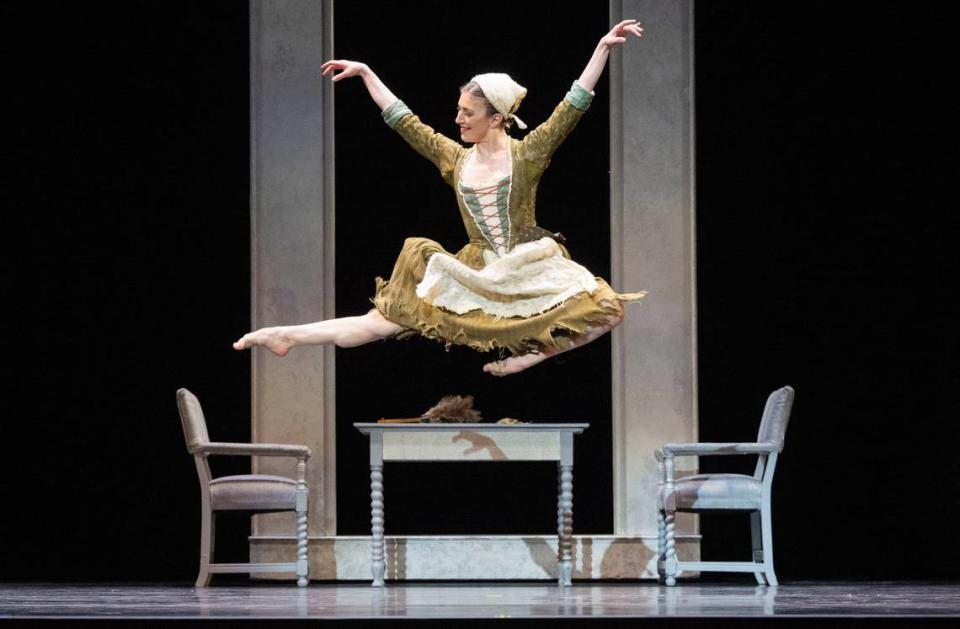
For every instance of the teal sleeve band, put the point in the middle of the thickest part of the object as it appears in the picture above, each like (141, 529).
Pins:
(396, 111)
(579, 97)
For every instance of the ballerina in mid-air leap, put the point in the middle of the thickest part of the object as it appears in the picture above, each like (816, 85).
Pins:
(513, 286)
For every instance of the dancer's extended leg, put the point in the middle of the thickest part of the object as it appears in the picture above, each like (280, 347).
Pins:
(516, 364)
(342, 331)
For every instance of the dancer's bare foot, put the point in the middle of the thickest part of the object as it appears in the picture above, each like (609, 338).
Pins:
(516, 364)
(273, 338)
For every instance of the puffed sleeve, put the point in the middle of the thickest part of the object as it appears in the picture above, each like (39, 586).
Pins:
(436, 147)
(539, 145)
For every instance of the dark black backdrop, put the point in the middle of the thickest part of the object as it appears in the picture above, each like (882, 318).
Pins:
(385, 192)
(824, 261)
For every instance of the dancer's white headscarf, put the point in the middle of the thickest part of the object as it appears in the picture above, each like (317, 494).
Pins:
(503, 93)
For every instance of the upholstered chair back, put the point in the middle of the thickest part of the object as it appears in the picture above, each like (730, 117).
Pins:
(191, 415)
(776, 414)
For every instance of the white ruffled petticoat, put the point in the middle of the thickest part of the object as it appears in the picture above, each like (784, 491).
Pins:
(532, 278)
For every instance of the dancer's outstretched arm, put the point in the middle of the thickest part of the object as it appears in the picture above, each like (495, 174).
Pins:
(540, 144)
(379, 92)
(616, 36)
(436, 147)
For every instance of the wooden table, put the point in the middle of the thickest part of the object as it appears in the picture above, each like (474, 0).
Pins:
(474, 442)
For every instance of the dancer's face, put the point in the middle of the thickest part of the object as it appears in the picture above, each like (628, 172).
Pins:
(472, 118)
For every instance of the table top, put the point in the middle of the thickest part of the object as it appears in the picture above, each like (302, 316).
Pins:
(367, 427)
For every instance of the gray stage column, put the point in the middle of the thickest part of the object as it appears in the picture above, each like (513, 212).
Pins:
(292, 254)
(652, 229)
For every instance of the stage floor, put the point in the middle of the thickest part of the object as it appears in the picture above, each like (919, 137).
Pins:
(268, 600)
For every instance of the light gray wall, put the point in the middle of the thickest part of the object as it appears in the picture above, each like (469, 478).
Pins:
(652, 248)
(292, 239)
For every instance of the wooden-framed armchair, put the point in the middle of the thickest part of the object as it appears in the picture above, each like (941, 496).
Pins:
(706, 493)
(250, 493)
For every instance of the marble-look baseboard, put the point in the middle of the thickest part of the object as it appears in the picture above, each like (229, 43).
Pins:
(473, 557)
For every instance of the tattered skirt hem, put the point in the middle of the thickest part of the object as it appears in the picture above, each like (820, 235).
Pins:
(556, 327)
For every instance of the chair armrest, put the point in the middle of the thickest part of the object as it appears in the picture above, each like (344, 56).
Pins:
(253, 449)
(714, 449)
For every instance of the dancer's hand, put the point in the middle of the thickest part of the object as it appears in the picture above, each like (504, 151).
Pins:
(348, 68)
(382, 96)
(618, 34)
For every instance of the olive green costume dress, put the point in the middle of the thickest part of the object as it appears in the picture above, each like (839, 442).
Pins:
(515, 197)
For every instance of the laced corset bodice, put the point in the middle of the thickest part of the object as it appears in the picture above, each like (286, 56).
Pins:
(499, 198)
(490, 209)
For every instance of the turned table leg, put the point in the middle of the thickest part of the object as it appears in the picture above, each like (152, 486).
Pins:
(565, 512)
(559, 515)
(377, 562)
(566, 525)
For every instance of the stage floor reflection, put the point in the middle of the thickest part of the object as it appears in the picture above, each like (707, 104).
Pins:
(479, 601)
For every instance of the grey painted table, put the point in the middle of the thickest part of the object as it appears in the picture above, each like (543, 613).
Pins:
(473, 442)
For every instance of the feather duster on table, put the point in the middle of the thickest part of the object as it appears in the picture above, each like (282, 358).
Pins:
(455, 409)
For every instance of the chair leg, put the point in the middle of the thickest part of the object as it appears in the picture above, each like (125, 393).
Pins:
(207, 535)
(670, 553)
(767, 531)
(757, 539)
(303, 563)
(661, 545)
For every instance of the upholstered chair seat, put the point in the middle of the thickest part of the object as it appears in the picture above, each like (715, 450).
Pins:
(253, 492)
(705, 492)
